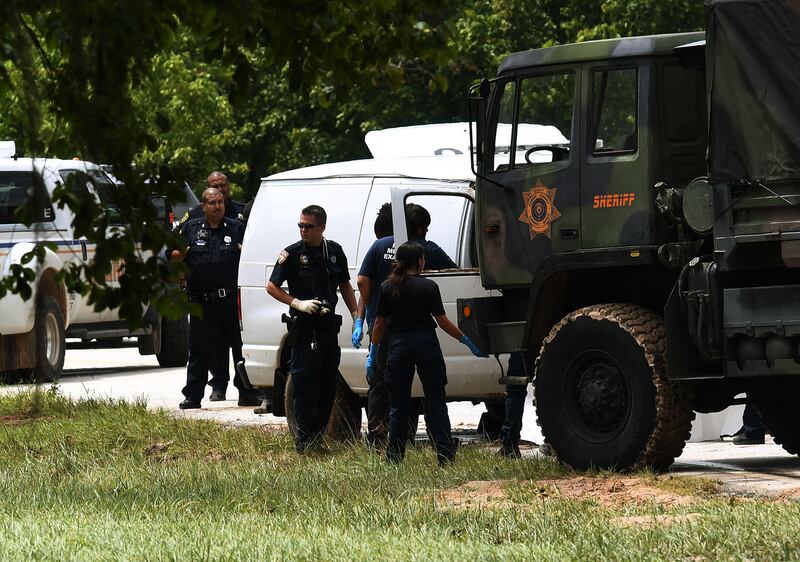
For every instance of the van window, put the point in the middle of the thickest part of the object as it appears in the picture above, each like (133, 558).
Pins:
(450, 227)
(15, 188)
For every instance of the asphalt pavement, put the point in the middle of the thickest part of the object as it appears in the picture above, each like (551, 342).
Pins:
(121, 373)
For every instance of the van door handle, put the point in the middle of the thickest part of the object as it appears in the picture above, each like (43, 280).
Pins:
(84, 251)
(569, 233)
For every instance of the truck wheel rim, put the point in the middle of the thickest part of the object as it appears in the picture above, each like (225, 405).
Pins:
(52, 340)
(596, 396)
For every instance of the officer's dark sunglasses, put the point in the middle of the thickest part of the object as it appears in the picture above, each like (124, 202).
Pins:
(306, 226)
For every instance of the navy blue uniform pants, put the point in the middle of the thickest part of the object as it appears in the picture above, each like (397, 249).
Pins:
(752, 423)
(315, 374)
(209, 339)
(409, 350)
(515, 402)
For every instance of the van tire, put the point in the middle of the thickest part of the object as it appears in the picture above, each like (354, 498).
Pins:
(174, 342)
(345, 421)
(492, 419)
(50, 337)
(780, 415)
(603, 399)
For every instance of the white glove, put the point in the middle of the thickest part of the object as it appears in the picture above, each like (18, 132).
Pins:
(309, 306)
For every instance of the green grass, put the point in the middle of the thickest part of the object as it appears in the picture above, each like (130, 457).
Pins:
(110, 480)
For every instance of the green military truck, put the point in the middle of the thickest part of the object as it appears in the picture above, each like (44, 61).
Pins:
(649, 263)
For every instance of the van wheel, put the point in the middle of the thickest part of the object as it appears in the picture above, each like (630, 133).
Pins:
(602, 396)
(174, 342)
(345, 421)
(492, 419)
(50, 340)
(781, 417)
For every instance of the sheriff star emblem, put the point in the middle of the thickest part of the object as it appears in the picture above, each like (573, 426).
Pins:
(540, 209)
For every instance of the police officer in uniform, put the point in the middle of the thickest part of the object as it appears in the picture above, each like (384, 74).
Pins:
(414, 306)
(214, 245)
(314, 268)
(233, 209)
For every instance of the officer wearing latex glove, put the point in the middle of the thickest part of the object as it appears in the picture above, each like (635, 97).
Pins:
(313, 268)
(358, 331)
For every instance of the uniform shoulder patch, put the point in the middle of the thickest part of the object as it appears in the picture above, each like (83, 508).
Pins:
(282, 256)
(184, 218)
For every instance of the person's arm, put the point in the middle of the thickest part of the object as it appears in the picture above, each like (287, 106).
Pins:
(364, 291)
(276, 292)
(449, 328)
(279, 275)
(378, 330)
(349, 297)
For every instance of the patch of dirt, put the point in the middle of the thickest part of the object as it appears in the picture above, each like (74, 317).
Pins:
(612, 492)
(653, 520)
(158, 449)
(22, 419)
(792, 495)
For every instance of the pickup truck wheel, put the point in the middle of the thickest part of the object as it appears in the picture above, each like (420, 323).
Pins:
(781, 417)
(345, 420)
(50, 340)
(174, 342)
(602, 395)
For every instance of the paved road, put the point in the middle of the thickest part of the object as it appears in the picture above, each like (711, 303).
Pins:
(123, 374)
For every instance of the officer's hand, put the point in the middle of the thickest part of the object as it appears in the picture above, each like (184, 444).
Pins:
(371, 360)
(358, 332)
(309, 307)
(476, 351)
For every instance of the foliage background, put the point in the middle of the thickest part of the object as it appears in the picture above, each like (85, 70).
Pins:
(198, 110)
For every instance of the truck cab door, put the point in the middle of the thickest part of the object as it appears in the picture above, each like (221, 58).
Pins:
(616, 178)
(452, 229)
(529, 204)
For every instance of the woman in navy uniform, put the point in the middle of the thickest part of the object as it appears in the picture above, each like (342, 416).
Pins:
(414, 307)
(314, 268)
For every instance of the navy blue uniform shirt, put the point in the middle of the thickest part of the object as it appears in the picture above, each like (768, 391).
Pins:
(415, 305)
(377, 265)
(304, 269)
(213, 253)
(233, 210)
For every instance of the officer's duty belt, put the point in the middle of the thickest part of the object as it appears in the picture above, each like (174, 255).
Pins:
(212, 295)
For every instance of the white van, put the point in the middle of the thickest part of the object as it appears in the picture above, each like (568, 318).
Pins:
(351, 193)
(33, 330)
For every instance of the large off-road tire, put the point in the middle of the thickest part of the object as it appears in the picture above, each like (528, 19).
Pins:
(50, 337)
(781, 415)
(345, 421)
(174, 342)
(602, 396)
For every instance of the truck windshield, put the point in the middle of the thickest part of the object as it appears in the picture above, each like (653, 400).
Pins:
(534, 120)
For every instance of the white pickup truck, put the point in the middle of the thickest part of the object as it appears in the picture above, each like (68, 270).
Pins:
(33, 331)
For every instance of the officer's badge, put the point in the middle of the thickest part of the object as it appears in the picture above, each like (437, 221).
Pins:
(282, 256)
(227, 239)
(540, 209)
(333, 259)
(304, 259)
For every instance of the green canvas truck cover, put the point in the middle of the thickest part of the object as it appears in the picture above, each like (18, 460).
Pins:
(753, 68)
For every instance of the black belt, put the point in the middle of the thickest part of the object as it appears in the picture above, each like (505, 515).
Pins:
(211, 295)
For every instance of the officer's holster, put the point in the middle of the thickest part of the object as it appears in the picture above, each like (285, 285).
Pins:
(297, 326)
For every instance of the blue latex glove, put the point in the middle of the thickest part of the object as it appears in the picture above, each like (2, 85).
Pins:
(476, 351)
(358, 332)
(371, 360)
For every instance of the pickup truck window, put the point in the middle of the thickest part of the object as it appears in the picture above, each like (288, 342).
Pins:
(83, 183)
(15, 188)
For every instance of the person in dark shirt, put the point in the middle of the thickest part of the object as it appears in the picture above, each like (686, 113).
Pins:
(375, 268)
(313, 268)
(414, 307)
(213, 248)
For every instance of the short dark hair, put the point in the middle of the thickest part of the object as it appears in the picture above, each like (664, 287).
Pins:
(383, 223)
(417, 217)
(316, 211)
